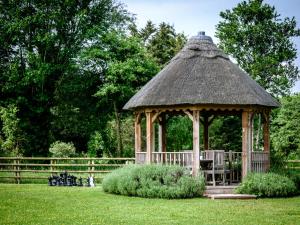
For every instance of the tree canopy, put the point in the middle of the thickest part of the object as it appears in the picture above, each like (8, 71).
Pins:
(254, 34)
(41, 42)
(286, 129)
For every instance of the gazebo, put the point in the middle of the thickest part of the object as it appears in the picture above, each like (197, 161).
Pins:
(201, 82)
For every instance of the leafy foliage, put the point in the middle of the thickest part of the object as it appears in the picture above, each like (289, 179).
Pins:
(179, 134)
(95, 145)
(153, 181)
(129, 67)
(285, 128)
(62, 149)
(267, 185)
(162, 42)
(226, 133)
(11, 138)
(255, 35)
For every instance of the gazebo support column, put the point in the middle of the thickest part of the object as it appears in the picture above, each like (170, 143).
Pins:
(247, 120)
(137, 134)
(162, 133)
(196, 141)
(149, 137)
(205, 132)
(266, 137)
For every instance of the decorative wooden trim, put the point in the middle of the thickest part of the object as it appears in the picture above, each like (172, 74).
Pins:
(138, 117)
(188, 114)
(204, 107)
(211, 119)
(155, 116)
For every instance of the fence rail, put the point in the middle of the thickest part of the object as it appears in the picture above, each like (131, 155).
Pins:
(19, 167)
(293, 165)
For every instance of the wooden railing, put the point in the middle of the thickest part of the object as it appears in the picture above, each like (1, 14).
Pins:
(140, 157)
(20, 166)
(293, 165)
(259, 162)
(184, 158)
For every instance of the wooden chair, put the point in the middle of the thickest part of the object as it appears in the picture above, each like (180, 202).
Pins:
(218, 166)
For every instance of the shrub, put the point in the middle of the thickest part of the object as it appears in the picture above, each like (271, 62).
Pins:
(95, 145)
(62, 149)
(154, 181)
(267, 185)
(295, 176)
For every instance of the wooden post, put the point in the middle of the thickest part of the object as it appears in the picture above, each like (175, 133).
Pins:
(162, 147)
(205, 130)
(196, 142)
(162, 134)
(51, 166)
(149, 137)
(266, 137)
(138, 136)
(17, 171)
(247, 120)
(153, 136)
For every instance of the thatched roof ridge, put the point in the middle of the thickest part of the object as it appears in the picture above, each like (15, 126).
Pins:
(201, 74)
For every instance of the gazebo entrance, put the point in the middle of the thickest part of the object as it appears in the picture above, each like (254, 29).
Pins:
(227, 166)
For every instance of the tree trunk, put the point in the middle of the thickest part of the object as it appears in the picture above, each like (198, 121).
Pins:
(118, 130)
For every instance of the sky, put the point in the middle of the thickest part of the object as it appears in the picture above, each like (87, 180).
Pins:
(191, 16)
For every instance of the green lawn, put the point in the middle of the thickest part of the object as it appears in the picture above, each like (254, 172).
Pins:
(40, 204)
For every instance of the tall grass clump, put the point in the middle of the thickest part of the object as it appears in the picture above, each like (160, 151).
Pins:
(154, 181)
(267, 185)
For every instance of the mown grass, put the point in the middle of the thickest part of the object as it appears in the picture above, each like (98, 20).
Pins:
(40, 204)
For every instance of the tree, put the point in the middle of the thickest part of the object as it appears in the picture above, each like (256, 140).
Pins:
(285, 128)
(12, 139)
(162, 42)
(165, 43)
(255, 35)
(40, 45)
(129, 67)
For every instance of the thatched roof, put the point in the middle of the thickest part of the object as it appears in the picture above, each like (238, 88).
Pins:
(201, 74)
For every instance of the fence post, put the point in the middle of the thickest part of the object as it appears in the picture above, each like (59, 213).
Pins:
(17, 169)
(89, 167)
(93, 168)
(52, 162)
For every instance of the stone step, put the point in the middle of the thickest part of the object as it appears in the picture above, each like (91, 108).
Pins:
(219, 190)
(231, 196)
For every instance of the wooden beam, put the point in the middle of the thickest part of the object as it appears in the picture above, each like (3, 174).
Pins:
(162, 134)
(210, 108)
(196, 142)
(188, 114)
(211, 119)
(247, 120)
(266, 137)
(205, 132)
(154, 117)
(149, 137)
(137, 133)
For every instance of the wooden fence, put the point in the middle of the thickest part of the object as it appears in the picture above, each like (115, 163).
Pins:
(293, 165)
(18, 168)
